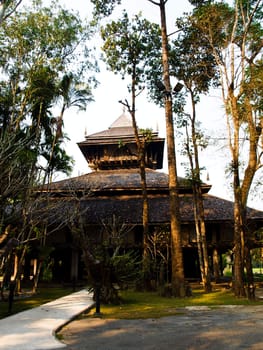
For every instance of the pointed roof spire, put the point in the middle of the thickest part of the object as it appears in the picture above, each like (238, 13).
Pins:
(123, 121)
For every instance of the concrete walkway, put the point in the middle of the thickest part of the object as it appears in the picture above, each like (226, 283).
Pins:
(193, 328)
(34, 329)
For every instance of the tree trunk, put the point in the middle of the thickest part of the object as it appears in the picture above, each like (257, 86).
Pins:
(142, 167)
(206, 276)
(250, 277)
(216, 265)
(36, 277)
(178, 281)
(238, 278)
(255, 132)
(199, 214)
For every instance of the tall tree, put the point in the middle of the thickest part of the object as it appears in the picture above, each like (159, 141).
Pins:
(194, 65)
(129, 46)
(178, 282)
(38, 47)
(234, 34)
(70, 92)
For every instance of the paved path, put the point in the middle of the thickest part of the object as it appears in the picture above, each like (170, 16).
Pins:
(194, 328)
(34, 329)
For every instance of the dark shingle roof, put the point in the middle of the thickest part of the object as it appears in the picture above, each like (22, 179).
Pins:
(117, 180)
(216, 209)
(104, 193)
(129, 208)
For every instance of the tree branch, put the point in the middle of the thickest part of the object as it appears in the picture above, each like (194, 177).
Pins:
(3, 5)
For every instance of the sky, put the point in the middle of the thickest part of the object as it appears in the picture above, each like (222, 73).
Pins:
(105, 109)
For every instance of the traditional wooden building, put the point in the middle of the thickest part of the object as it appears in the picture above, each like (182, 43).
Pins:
(113, 188)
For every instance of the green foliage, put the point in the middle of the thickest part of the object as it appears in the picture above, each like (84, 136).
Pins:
(234, 34)
(197, 3)
(216, 22)
(192, 60)
(47, 272)
(127, 268)
(38, 48)
(104, 7)
(16, 157)
(74, 93)
(130, 47)
(45, 62)
(110, 263)
(257, 257)
(252, 88)
(123, 264)
(233, 37)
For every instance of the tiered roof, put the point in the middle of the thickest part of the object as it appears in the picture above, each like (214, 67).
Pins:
(115, 147)
(115, 186)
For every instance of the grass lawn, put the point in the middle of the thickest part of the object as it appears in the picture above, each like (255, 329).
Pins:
(149, 305)
(134, 304)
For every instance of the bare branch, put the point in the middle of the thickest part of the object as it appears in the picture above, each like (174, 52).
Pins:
(4, 4)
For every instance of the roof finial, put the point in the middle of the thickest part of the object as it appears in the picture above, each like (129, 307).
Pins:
(124, 109)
